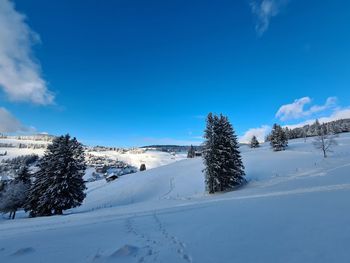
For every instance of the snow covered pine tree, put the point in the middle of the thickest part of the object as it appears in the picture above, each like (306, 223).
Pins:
(15, 193)
(191, 152)
(224, 169)
(59, 183)
(254, 143)
(278, 138)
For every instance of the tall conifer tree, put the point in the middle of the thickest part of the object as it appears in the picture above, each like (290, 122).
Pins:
(59, 183)
(224, 167)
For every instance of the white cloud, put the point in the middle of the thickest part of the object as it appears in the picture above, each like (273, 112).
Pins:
(10, 124)
(260, 134)
(264, 10)
(296, 109)
(20, 74)
(293, 110)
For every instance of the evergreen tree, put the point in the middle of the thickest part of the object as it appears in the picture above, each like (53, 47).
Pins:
(13, 197)
(191, 152)
(23, 175)
(210, 154)
(224, 167)
(254, 143)
(59, 183)
(278, 138)
(15, 193)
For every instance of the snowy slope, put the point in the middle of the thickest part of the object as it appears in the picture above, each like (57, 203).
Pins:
(15, 152)
(152, 159)
(294, 209)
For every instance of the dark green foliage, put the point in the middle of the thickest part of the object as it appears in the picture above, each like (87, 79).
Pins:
(278, 138)
(23, 175)
(59, 183)
(254, 143)
(15, 193)
(311, 130)
(13, 197)
(224, 168)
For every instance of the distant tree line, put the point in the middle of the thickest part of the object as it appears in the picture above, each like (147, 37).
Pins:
(174, 148)
(333, 127)
(323, 135)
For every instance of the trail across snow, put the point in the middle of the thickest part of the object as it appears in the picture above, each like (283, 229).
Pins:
(295, 208)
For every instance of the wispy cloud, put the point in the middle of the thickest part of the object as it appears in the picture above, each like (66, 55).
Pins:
(296, 109)
(10, 124)
(264, 10)
(20, 73)
(259, 132)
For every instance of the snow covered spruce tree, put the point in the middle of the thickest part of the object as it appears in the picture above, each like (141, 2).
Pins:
(224, 169)
(15, 193)
(59, 183)
(13, 197)
(254, 143)
(278, 138)
(191, 152)
(23, 175)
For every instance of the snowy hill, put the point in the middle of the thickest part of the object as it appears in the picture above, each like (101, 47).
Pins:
(15, 146)
(295, 208)
(152, 159)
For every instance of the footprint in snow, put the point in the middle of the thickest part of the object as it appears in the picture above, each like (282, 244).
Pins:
(187, 258)
(125, 251)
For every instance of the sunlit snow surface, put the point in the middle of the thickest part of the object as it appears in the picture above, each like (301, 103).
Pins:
(295, 208)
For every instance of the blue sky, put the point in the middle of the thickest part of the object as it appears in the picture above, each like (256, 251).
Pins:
(129, 73)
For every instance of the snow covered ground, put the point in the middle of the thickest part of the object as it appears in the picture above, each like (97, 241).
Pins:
(294, 209)
(151, 159)
(15, 151)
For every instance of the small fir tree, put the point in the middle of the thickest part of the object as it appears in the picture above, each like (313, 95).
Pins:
(191, 152)
(13, 197)
(254, 143)
(278, 138)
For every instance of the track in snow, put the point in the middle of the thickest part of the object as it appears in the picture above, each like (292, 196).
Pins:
(156, 240)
